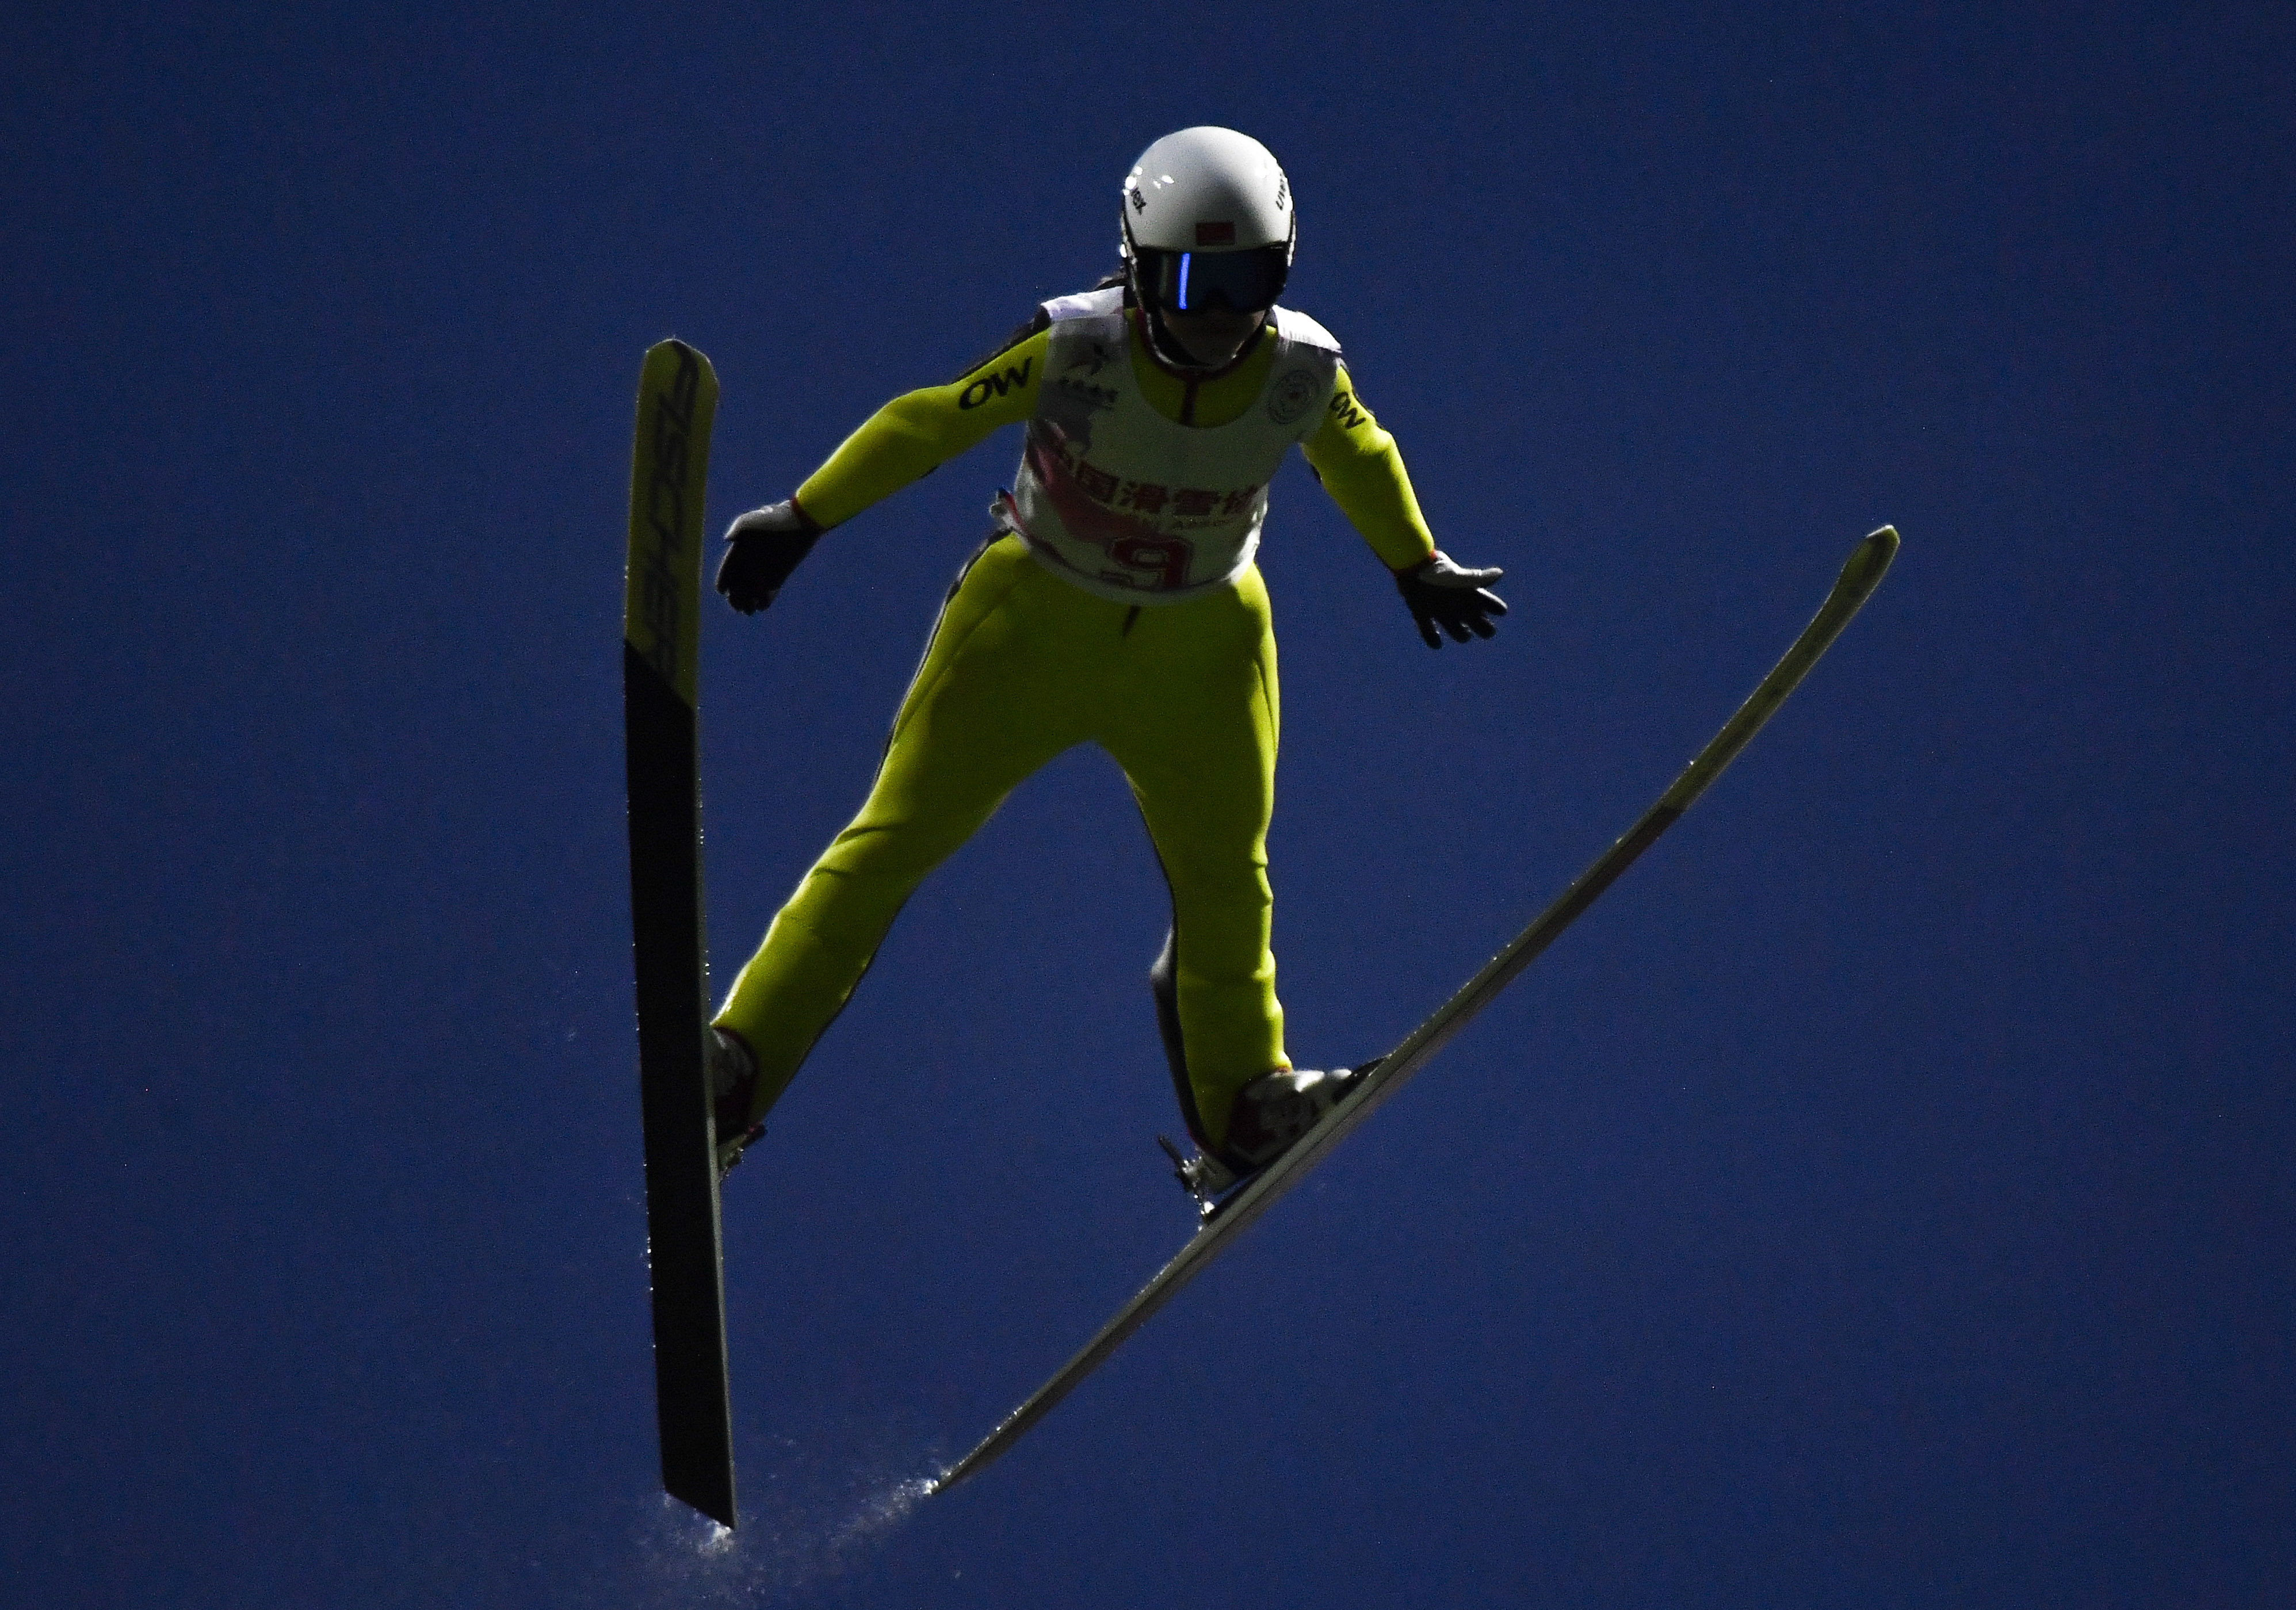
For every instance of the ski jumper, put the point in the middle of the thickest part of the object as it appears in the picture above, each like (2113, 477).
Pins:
(1116, 603)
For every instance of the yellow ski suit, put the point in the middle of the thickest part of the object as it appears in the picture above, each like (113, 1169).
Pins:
(1023, 665)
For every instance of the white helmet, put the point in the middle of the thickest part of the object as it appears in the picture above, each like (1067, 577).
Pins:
(1207, 216)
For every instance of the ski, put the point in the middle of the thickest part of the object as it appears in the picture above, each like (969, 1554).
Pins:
(1228, 1217)
(661, 620)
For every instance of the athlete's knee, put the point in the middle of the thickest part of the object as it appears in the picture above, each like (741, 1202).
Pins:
(897, 850)
(1224, 914)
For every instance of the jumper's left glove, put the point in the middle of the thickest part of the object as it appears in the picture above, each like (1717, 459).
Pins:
(1443, 594)
(761, 549)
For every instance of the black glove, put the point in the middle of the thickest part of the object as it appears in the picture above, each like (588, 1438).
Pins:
(761, 549)
(1441, 594)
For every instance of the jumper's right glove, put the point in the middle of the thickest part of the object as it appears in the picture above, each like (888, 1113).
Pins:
(762, 547)
(1443, 594)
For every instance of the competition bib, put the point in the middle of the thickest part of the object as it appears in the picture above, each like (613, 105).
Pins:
(1132, 506)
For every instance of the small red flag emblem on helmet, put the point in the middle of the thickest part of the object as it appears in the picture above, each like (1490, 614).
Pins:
(1216, 235)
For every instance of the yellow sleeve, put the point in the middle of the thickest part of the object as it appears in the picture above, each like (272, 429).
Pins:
(921, 431)
(1361, 468)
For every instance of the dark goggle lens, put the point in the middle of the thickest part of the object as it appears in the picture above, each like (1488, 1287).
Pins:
(1188, 281)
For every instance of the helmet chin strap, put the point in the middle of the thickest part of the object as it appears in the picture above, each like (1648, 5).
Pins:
(1167, 347)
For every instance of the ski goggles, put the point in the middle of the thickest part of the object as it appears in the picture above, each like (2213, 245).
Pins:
(1189, 282)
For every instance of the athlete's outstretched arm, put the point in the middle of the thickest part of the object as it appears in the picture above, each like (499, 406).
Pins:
(1361, 467)
(909, 436)
(921, 431)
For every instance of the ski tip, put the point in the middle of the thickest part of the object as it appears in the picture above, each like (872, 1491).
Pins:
(1868, 559)
(676, 353)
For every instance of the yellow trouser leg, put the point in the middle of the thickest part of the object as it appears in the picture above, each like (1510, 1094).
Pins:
(1200, 756)
(1021, 666)
(967, 733)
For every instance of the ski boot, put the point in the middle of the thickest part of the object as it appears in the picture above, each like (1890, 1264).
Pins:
(1276, 1110)
(1272, 1115)
(733, 1086)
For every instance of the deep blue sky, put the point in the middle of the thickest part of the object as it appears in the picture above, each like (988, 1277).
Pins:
(1883, 1197)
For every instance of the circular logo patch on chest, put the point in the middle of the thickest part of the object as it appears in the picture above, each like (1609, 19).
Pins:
(1294, 394)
